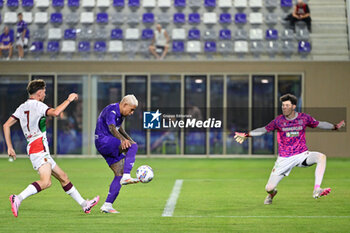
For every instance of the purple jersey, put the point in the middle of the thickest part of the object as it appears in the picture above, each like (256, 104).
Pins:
(6, 39)
(20, 28)
(109, 115)
(291, 133)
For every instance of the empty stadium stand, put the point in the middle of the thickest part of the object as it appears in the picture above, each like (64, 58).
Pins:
(223, 29)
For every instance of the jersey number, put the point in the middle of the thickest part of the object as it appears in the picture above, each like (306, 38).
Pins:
(27, 113)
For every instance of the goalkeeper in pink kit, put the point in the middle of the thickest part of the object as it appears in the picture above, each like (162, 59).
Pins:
(292, 149)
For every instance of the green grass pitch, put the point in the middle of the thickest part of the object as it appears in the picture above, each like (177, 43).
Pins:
(217, 195)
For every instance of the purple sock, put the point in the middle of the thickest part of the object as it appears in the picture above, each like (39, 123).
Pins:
(130, 158)
(114, 189)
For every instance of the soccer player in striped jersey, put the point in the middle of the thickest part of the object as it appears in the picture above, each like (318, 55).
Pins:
(292, 149)
(116, 146)
(32, 117)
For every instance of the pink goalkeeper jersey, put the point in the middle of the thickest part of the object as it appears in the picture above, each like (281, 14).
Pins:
(291, 133)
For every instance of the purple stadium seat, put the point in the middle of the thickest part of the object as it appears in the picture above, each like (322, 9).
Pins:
(178, 46)
(100, 46)
(117, 34)
(225, 18)
(240, 18)
(147, 34)
(53, 47)
(56, 18)
(179, 18)
(148, 18)
(70, 34)
(194, 34)
(225, 34)
(194, 18)
(134, 3)
(118, 3)
(27, 4)
(37, 47)
(286, 3)
(57, 3)
(84, 46)
(210, 3)
(210, 47)
(1, 4)
(73, 3)
(271, 34)
(12, 3)
(102, 18)
(304, 47)
(180, 3)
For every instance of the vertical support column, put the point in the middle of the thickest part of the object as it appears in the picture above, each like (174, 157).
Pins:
(55, 125)
(87, 115)
(224, 148)
(148, 131)
(208, 115)
(93, 113)
(250, 113)
(182, 107)
(276, 112)
(303, 86)
(123, 93)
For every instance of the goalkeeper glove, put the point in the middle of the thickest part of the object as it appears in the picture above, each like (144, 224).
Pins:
(241, 137)
(339, 125)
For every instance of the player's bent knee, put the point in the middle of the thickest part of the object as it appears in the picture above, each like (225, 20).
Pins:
(321, 157)
(269, 188)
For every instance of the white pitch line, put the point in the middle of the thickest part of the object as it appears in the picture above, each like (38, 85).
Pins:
(193, 216)
(171, 203)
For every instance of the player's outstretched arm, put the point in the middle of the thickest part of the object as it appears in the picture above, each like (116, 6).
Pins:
(55, 112)
(329, 126)
(7, 132)
(241, 137)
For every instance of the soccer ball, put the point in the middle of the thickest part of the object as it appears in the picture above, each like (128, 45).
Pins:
(144, 173)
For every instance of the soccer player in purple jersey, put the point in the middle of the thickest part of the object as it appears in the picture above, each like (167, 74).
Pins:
(292, 149)
(115, 145)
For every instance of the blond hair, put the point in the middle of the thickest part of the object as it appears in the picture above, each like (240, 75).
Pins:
(130, 99)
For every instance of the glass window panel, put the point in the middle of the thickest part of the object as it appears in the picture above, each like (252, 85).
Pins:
(216, 111)
(263, 112)
(289, 84)
(49, 101)
(166, 94)
(70, 123)
(12, 93)
(195, 105)
(109, 90)
(237, 112)
(137, 85)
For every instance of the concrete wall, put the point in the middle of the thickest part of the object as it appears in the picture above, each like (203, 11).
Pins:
(327, 84)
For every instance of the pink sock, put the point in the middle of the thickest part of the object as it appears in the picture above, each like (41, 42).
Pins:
(316, 186)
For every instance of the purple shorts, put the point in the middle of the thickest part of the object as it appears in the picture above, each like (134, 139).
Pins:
(108, 147)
